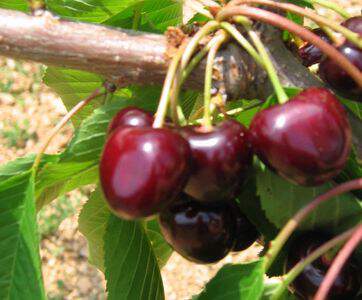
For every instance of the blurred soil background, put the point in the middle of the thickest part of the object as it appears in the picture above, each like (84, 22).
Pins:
(28, 109)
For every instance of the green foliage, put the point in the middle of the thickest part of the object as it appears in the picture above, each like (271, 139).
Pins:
(281, 200)
(233, 282)
(20, 270)
(131, 267)
(21, 5)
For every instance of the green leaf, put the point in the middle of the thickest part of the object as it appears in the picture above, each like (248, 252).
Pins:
(131, 267)
(20, 268)
(89, 140)
(242, 281)
(21, 5)
(73, 86)
(281, 200)
(154, 16)
(160, 247)
(56, 179)
(23, 164)
(93, 221)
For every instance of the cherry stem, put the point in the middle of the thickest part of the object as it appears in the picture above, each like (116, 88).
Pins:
(208, 78)
(242, 41)
(284, 23)
(198, 57)
(167, 86)
(348, 34)
(300, 266)
(332, 6)
(194, 42)
(329, 32)
(268, 65)
(63, 122)
(277, 244)
(338, 263)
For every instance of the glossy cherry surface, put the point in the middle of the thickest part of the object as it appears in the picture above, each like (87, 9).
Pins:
(200, 232)
(306, 140)
(354, 24)
(143, 169)
(307, 283)
(131, 116)
(335, 76)
(220, 160)
(311, 54)
(245, 233)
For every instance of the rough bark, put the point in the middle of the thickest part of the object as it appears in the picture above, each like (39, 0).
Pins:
(127, 57)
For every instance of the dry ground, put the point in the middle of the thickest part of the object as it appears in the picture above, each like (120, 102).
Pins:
(28, 110)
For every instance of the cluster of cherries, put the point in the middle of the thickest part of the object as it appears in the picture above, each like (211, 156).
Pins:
(329, 71)
(190, 176)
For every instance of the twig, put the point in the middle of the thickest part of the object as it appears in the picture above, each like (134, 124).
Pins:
(338, 264)
(292, 224)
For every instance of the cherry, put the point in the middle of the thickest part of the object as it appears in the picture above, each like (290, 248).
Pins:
(221, 159)
(311, 54)
(245, 233)
(307, 283)
(354, 24)
(334, 75)
(131, 116)
(143, 169)
(201, 232)
(306, 140)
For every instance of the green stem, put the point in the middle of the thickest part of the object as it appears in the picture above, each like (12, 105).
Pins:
(194, 42)
(269, 67)
(167, 86)
(329, 32)
(348, 34)
(332, 6)
(277, 244)
(62, 123)
(299, 267)
(242, 41)
(208, 79)
(197, 58)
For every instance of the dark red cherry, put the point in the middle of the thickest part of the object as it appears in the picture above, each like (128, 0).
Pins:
(143, 169)
(131, 116)
(245, 233)
(354, 24)
(220, 160)
(337, 78)
(306, 140)
(307, 283)
(311, 54)
(201, 232)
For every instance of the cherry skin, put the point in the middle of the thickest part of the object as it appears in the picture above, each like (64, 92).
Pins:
(131, 116)
(200, 232)
(245, 233)
(311, 54)
(306, 140)
(220, 160)
(143, 169)
(337, 78)
(354, 24)
(346, 286)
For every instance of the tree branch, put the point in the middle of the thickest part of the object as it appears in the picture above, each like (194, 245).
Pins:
(128, 57)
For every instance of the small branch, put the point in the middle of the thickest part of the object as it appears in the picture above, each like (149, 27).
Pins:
(300, 266)
(62, 123)
(338, 263)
